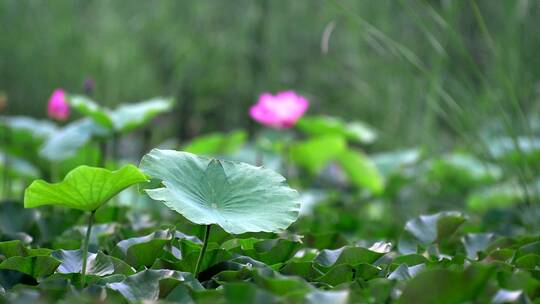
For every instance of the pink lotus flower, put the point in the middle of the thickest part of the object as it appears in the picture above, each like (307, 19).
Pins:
(279, 111)
(58, 107)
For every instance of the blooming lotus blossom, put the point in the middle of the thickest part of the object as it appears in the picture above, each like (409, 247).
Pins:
(279, 111)
(58, 107)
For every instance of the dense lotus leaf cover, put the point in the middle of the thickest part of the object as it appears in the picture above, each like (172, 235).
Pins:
(449, 265)
(236, 196)
(85, 188)
(367, 232)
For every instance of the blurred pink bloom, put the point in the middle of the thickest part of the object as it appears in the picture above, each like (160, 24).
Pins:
(58, 107)
(279, 111)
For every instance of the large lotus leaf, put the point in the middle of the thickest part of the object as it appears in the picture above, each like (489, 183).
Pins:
(84, 188)
(131, 116)
(236, 196)
(124, 118)
(326, 125)
(66, 142)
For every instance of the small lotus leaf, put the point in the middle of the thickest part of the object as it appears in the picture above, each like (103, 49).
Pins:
(84, 188)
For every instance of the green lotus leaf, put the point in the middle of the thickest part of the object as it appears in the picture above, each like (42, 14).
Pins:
(246, 292)
(332, 296)
(429, 229)
(24, 135)
(268, 251)
(502, 195)
(361, 171)
(476, 242)
(404, 272)
(98, 264)
(84, 188)
(462, 171)
(395, 161)
(217, 143)
(124, 118)
(12, 248)
(187, 253)
(347, 255)
(510, 296)
(36, 266)
(236, 196)
(131, 116)
(447, 286)
(143, 251)
(18, 167)
(67, 141)
(356, 131)
(35, 128)
(90, 108)
(153, 284)
(315, 153)
(343, 273)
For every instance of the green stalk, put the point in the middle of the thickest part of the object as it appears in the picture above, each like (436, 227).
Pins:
(115, 145)
(6, 189)
(85, 247)
(103, 153)
(203, 250)
(286, 155)
(146, 141)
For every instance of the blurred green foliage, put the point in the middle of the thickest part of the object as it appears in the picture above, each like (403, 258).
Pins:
(419, 71)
